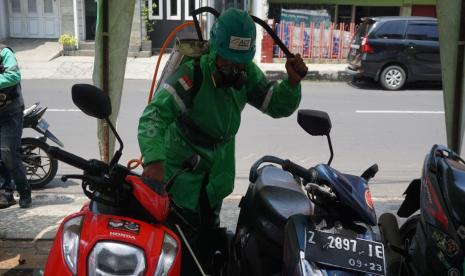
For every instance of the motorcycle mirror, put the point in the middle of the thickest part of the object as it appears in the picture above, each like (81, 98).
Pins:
(314, 122)
(91, 100)
(370, 172)
(191, 163)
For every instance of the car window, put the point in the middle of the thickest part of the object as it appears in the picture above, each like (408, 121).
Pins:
(391, 30)
(422, 30)
(362, 31)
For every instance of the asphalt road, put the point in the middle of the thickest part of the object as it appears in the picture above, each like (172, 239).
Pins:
(369, 125)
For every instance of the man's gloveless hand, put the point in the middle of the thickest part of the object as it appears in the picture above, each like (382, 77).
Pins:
(296, 69)
(154, 171)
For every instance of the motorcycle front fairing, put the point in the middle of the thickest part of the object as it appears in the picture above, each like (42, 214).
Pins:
(352, 192)
(109, 234)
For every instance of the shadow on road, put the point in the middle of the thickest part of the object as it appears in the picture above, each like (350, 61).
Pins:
(57, 183)
(369, 84)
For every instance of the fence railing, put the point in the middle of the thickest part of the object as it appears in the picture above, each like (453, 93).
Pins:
(322, 41)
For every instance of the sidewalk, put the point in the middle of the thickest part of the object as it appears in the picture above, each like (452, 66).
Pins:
(41, 59)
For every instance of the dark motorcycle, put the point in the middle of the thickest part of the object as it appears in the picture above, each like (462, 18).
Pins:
(280, 231)
(40, 167)
(433, 241)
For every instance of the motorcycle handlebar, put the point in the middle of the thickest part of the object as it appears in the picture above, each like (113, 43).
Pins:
(89, 166)
(310, 175)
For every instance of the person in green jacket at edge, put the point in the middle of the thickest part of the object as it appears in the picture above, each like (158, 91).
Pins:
(11, 129)
(176, 125)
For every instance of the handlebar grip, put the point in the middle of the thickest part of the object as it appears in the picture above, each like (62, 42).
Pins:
(70, 159)
(254, 169)
(309, 175)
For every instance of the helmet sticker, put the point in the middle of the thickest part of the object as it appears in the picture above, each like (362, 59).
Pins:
(240, 43)
(461, 232)
(445, 243)
(453, 272)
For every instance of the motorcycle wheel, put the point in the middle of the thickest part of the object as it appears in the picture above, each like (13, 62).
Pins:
(408, 230)
(390, 235)
(40, 167)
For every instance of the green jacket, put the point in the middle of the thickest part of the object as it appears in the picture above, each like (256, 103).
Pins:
(10, 78)
(218, 113)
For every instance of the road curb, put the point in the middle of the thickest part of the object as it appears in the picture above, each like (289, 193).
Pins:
(336, 76)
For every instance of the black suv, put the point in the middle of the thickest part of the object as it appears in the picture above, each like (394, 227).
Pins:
(394, 50)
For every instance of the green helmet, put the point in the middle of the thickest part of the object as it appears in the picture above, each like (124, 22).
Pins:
(233, 36)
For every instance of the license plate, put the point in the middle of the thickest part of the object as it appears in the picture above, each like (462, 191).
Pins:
(355, 46)
(345, 252)
(42, 125)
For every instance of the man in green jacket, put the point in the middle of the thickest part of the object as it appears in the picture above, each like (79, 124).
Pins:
(11, 129)
(180, 121)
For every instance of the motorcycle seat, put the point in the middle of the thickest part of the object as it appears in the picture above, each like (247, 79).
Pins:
(277, 197)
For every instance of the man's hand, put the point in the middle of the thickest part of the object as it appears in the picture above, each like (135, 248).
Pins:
(154, 171)
(296, 69)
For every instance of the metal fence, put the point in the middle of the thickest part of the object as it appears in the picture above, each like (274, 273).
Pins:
(325, 41)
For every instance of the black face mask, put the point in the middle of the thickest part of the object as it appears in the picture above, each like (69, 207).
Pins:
(224, 77)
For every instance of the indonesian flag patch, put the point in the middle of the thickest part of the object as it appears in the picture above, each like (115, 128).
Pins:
(185, 82)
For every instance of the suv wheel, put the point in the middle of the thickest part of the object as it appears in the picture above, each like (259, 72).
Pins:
(393, 77)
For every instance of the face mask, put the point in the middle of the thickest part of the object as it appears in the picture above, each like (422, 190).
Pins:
(230, 76)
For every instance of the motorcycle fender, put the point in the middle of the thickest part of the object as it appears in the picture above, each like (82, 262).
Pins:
(52, 137)
(411, 202)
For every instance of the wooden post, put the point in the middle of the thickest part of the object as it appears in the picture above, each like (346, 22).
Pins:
(105, 76)
(320, 46)
(312, 38)
(302, 40)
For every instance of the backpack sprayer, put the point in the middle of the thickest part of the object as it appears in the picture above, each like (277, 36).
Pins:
(188, 49)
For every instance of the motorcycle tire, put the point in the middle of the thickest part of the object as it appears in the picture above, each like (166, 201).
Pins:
(390, 235)
(408, 230)
(40, 167)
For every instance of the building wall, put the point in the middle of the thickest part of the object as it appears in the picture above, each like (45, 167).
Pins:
(4, 25)
(81, 19)
(163, 27)
(67, 17)
(136, 31)
(67, 21)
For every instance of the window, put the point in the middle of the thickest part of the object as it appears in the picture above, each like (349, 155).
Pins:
(155, 9)
(15, 6)
(173, 10)
(32, 6)
(391, 30)
(190, 5)
(48, 6)
(362, 31)
(422, 31)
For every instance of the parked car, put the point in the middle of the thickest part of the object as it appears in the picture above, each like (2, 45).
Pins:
(396, 50)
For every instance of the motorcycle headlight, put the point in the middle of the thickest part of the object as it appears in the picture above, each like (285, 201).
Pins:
(167, 256)
(115, 259)
(70, 242)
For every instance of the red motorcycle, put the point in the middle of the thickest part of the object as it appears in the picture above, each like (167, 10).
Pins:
(120, 231)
